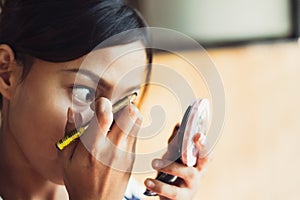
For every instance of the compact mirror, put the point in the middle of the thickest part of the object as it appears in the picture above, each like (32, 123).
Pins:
(195, 120)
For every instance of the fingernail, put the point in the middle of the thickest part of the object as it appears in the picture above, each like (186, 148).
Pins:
(157, 164)
(70, 125)
(199, 138)
(150, 183)
(70, 116)
(134, 112)
(202, 139)
(105, 105)
(74, 117)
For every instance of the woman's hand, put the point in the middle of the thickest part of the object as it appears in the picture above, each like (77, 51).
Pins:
(98, 166)
(186, 186)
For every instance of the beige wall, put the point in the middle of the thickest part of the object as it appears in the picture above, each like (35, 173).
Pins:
(258, 155)
(220, 20)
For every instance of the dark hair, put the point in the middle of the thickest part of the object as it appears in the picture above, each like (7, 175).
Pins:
(63, 30)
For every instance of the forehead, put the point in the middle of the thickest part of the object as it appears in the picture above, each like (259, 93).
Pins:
(131, 55)
(121, 66)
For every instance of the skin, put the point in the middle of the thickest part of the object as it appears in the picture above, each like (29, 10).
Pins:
(37, 112)
(189, 182)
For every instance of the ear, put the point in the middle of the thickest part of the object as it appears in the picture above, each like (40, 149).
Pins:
(7, 70)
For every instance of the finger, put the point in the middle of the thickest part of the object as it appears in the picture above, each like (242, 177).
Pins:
(166, 190)
(201, 163)
(68, 151)
(123, 134)
(127, 142)
(126, 149)
(199, 140)
(97, 144)
(95, 134)
(132, 137)
(125, 120)
(188, 174)
(104, 114)
(116, 148)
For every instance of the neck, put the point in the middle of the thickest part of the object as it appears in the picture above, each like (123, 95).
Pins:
(17, 179)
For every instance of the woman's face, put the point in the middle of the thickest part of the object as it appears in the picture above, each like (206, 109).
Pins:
(38, 108)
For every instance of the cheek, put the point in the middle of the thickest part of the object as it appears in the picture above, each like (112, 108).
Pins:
(38, 120)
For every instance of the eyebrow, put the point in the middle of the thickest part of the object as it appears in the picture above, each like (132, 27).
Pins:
(100, 81)
(95, 78)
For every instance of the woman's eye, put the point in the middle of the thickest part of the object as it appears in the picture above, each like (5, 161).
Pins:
(83, 94)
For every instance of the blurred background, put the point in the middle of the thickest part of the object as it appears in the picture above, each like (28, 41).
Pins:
(254, 45)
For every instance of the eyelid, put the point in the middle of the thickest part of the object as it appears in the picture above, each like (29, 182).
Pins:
(77, 98)
(84, 87)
